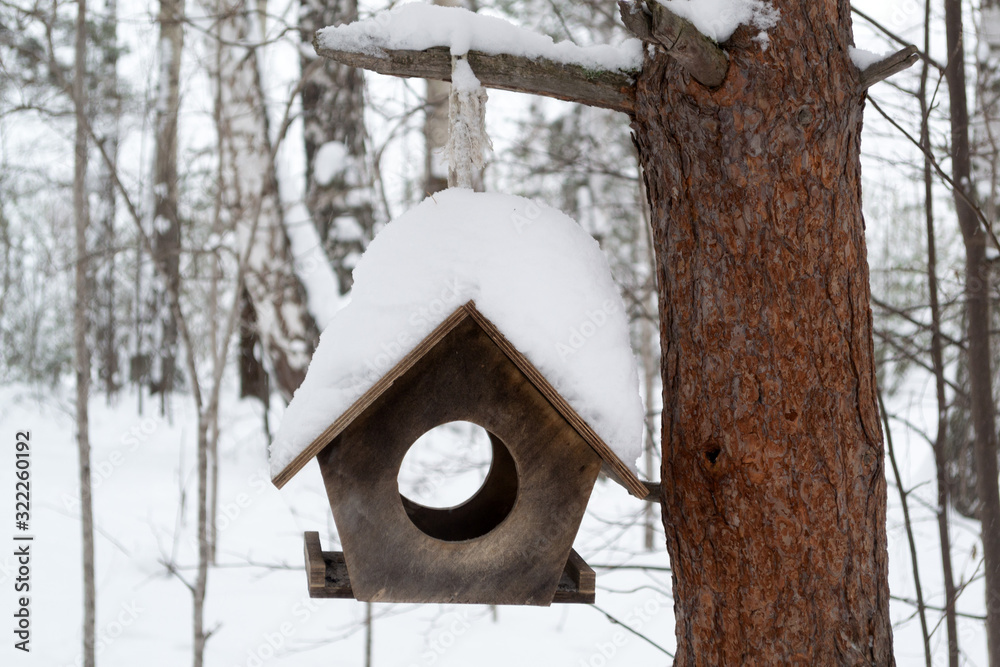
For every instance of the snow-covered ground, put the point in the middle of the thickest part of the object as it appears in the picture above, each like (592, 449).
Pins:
(145, 490)
(260, 614)
(914, 402)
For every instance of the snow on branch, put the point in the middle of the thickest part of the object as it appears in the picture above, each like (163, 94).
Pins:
(651, 22)
(417, 40)
(417, 26)
(875, 68)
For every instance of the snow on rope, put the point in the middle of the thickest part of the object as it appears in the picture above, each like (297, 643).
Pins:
(468, 142)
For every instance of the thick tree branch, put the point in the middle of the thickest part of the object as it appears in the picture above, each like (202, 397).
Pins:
(615, 90)
(698, 54)
(573, 83)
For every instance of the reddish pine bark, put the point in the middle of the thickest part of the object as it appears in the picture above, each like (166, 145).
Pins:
(773, 469)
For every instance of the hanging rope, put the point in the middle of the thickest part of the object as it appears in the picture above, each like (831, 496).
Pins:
(468, 143)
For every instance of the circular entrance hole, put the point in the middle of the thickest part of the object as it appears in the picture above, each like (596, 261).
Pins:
(457, 482)
(446, 466)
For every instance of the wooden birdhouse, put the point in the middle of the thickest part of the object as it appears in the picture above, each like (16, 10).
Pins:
(412, 351)
(511, 542)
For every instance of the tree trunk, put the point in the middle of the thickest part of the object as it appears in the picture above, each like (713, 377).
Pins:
(250, 195)
(773, 464)
(368, 634)
(81, 352)
(977, 276)
(436, 136)
(106, 115)
(937, 358)
(201, 578)
(249, 352)
(333, 106)
(166, 231)
(217, 330)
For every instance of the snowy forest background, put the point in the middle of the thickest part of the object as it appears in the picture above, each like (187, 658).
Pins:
(228, 169)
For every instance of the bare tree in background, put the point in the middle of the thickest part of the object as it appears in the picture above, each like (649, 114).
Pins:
(649, 365)
(338, 182)
(436, 136)
(106, 110)
(254, 223)
(940, 440)
(977, 274)
(251, 203)
(81, 351)
(166, 229)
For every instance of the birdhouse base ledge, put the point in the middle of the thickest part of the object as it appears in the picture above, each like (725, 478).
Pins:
(326, 573)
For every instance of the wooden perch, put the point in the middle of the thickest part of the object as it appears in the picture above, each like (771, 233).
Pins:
(699, 55)
(883, 69)
(573, 83)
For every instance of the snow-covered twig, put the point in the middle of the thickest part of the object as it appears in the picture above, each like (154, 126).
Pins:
(886, 67)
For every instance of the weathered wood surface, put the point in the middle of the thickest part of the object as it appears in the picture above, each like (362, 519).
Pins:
(464, 377)
(578, 583)
(315, 568)
(326, 571)
(337, 581)
(772, 449)
(654, 491)
(617, 469)
(367, 398)
(596, 88)
(582, 574)
(653, 23)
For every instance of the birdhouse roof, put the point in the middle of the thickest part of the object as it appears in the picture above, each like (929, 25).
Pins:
(532, 272)
(613, 465)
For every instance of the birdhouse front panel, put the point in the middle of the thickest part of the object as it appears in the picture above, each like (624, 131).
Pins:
(510, 542)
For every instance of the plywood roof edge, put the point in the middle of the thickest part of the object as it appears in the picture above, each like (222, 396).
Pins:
(621, 473)
(369, 397)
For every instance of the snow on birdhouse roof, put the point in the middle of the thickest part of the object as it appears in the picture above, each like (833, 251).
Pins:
(419, 26)
(533, 271)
